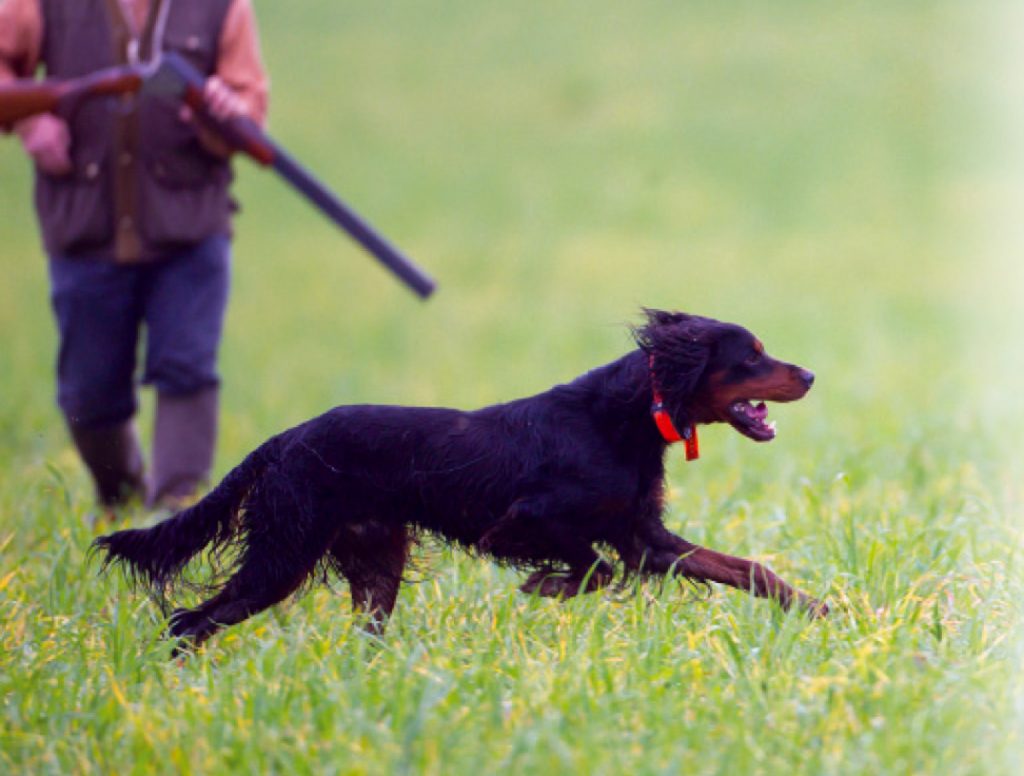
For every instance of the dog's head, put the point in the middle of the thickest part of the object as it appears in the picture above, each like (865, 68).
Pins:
(708, 371)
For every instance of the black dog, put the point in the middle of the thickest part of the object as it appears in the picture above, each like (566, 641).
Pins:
(536, 483)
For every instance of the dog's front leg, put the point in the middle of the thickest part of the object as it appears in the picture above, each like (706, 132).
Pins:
(538, 531)
(671, 554)
(553, 584)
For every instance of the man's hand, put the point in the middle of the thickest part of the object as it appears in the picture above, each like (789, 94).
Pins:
(47, 140)
(223, 103)
(221, 100)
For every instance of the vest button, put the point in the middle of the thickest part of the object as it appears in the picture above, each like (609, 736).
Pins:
(126, 159)
(92, 170)
(192, 44)
(126, 223)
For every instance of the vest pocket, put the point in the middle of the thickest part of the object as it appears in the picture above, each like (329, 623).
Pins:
(74, 210)
(182, 189)
(183, 200)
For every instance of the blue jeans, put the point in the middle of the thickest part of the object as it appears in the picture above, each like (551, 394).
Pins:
(101, 307)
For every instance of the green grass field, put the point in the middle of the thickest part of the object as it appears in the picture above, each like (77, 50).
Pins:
(844, 179)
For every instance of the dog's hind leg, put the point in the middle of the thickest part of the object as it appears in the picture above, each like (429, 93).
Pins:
(191, 627)
(271, 569)
(247, 593)
(372, 557)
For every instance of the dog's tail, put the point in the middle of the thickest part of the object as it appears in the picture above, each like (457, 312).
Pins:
(159, 554)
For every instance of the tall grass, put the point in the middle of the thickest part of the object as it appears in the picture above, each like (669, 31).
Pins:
(841, 179)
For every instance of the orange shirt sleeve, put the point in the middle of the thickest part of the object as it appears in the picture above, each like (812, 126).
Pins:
(21, 38)
(239, 63)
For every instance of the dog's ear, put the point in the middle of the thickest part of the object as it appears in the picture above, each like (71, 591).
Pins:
(667, 332)
(658, 318)
(679, 348)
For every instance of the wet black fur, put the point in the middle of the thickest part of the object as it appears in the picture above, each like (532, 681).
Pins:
(536, 483)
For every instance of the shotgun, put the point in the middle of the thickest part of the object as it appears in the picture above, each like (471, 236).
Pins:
(172, 75)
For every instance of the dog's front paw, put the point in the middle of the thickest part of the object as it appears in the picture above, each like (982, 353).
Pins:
(815, 609)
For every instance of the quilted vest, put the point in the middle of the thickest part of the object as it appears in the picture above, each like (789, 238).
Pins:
(142, 185)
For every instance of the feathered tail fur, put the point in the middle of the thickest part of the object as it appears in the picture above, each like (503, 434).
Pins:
(157, 555)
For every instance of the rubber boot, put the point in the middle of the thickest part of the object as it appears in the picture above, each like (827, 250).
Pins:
(184, 435)
(114, 459)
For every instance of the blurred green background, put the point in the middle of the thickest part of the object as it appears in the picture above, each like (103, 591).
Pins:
(816, 172)
(845, 179)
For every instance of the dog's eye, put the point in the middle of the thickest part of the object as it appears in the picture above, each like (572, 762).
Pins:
(753, 359)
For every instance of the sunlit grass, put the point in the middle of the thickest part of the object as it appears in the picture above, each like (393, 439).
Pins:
(811, 171)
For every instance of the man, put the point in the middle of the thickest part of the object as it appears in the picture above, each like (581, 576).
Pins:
(135, 213)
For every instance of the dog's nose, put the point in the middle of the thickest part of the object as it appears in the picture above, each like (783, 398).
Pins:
(807, 376)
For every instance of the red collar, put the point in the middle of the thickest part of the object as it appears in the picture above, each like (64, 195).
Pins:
(668, 429)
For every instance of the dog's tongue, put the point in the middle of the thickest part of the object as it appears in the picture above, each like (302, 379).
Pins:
(759, 412)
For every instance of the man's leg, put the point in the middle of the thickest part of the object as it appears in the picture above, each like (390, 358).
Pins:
(184, 437)
(98, 317)
(186, 298)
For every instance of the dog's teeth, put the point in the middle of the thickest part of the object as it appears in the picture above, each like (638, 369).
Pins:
(771, 424)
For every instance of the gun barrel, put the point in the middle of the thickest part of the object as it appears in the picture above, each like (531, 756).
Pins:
(245, 135)
(360, 231)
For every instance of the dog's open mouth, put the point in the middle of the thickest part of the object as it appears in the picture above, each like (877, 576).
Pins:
(751, 420)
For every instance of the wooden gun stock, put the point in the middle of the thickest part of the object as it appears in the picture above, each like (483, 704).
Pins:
(22, 99)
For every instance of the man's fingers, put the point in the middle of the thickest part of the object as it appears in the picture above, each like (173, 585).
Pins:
(54, 162)
(48, 141)
(221, 101)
